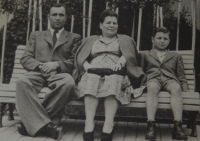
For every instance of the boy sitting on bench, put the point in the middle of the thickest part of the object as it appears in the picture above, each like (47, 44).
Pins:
(165, 71)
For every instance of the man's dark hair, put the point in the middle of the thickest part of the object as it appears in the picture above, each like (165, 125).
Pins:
(57, 5)
(107, 13)
(160, 29)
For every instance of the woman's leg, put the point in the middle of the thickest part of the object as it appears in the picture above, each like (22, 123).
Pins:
(111, 105)
(91, 104)
(152, 100)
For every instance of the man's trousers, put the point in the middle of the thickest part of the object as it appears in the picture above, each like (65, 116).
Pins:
(33, 113)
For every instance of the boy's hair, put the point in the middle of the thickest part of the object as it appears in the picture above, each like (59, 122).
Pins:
(107, 13)
(57, 5)
(160, 29)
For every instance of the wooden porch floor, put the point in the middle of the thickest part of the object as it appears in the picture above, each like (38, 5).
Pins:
(73, 130)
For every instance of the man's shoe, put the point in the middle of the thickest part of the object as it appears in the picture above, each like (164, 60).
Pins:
(54, 130)
(21, 129)
(88, 136)
(151, 130)
(178, 131)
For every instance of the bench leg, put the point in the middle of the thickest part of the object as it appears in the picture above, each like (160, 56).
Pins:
(2, 107)
(11, 109)
(192, 123)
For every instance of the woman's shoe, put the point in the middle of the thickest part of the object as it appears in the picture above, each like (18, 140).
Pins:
(107, 136)
(88, 136)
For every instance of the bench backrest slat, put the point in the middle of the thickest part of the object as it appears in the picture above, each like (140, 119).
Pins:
(188, 61)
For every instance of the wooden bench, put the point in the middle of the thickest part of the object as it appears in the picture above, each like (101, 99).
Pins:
(191, 100)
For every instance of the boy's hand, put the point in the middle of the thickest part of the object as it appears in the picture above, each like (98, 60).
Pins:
(116, 67)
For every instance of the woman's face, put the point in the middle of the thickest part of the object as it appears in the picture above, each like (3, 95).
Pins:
(109, 27)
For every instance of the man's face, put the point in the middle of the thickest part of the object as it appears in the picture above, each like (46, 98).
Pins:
(161, 40)
(57, 17)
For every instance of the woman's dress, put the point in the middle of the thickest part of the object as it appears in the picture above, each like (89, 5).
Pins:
(104, 55)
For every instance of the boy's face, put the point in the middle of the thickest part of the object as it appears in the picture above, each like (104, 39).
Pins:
(161, 40)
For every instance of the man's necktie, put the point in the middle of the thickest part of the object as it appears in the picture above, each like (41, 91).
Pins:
(54, 37)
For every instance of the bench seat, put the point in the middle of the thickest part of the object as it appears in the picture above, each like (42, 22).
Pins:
(191, 100)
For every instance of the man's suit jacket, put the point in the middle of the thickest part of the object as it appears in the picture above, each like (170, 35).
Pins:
(171, 66)
(40, 49)
(128, 49)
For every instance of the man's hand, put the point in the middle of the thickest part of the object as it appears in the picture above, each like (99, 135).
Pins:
(48, 67)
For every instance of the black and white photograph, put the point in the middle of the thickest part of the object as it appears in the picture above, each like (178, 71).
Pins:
(99, 70)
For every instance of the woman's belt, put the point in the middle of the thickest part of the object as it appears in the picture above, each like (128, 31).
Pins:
(106, 71)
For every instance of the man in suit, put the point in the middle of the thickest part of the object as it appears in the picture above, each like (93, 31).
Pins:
(164, 70)
(49, 59)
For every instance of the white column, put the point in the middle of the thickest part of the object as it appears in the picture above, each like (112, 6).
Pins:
(34, 14)
(3, 46)
(29, 18)
(139, 28)
(193, 24)
(72, 23)
(89, 18)
(157, 16)
(178, 24)
(161, 16)
(84, 5)
(133, 26)
(40, 14)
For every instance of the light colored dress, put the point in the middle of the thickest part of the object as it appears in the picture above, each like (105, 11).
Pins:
(103, 55)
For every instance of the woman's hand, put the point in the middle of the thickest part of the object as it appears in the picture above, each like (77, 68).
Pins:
(86, 65)
(116, 67)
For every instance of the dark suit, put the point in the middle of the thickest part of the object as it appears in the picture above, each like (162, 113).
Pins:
(171, 66)
(39, 49)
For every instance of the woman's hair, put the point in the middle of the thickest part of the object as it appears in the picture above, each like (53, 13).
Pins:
(160, 29)
(107, 13)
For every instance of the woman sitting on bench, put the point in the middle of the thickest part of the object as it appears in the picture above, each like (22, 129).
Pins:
(107, 68)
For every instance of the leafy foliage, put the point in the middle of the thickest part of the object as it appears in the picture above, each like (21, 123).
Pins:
(17, 27)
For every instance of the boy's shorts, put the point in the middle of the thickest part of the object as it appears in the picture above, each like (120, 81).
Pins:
(162, 84)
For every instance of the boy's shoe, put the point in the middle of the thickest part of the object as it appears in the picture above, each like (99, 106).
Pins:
(151, 130)
(178, 131)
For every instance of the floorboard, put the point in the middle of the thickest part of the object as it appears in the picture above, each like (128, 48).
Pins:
(73, 131)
